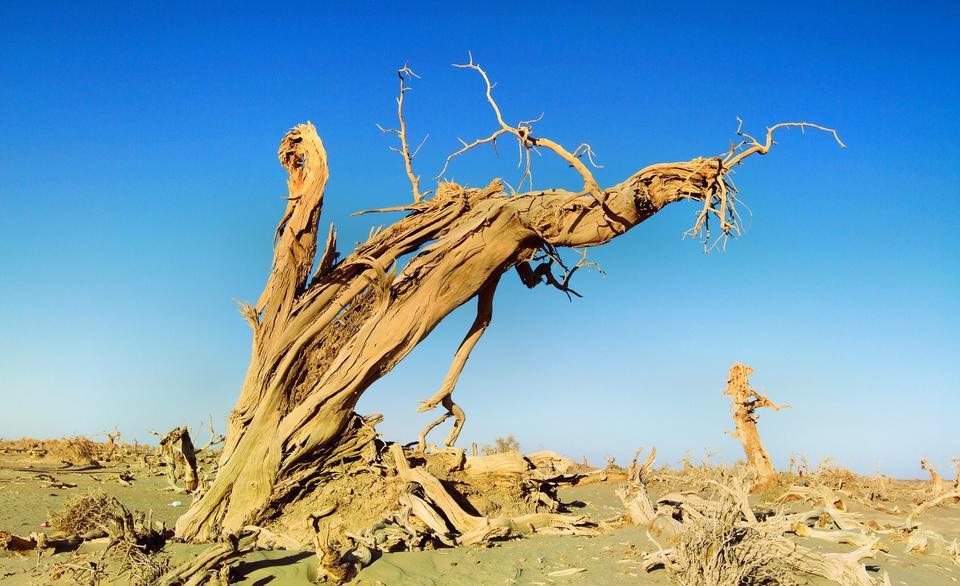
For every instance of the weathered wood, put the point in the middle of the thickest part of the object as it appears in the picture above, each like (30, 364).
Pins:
(180, 458)
(320, 341)
(939, 486)
(746, 401)
(469, 528)
(197, 570)
(504, 463)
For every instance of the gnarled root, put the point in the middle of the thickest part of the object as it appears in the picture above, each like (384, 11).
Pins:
(333, 566)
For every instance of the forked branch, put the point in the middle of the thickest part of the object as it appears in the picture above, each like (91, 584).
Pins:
(532, 276)
(401, 133)
(445, 395)
(721, 201)
(523, 131)
(754, 146)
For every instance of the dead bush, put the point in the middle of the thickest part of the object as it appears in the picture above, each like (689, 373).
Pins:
(83, 514)
(719, 550)
(501, 446)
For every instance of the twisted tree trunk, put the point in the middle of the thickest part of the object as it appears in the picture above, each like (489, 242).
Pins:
(320, 340)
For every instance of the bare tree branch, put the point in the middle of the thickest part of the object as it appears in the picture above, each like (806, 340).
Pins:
(401, 132)
(523, 131)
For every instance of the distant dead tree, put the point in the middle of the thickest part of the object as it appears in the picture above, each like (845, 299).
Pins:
(179, 455)
(746, 400)
(325, 329)
(939, 485)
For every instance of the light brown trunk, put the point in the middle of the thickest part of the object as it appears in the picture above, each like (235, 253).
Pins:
(320, 342)
(746, 401)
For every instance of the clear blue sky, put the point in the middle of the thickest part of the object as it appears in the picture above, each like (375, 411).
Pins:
(140, 189)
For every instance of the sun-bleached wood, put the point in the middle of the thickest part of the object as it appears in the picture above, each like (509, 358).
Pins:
(746, 401)
(321, 340)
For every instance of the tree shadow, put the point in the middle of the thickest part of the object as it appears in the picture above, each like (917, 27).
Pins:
(245, 568)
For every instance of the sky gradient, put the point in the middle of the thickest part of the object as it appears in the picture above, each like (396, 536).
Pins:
(140, 190)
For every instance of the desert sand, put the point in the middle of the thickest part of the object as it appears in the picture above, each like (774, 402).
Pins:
(32, 487)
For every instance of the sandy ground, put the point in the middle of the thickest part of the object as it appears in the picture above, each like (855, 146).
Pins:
(609, 558)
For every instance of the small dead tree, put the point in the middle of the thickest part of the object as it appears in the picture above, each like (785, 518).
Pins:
(180, 457)
(746, 401)
(939, 486)
(323, 335)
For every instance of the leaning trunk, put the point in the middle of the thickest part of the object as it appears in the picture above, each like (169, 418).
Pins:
(321, 339)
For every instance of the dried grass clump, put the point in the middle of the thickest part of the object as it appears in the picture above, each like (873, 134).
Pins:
(78, 451)
(832, 475)
(131, 536)
(83, 514)
(139, 568)
(80, 570)
(501, 445)
(719, 550)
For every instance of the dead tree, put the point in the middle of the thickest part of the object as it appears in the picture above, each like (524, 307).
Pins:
(177, 453)
(746, 401)
(322, 336)
(180, 457)
(939, 486)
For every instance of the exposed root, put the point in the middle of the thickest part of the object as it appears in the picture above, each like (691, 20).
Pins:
(469, 528)
(952, 496)
(333, 566)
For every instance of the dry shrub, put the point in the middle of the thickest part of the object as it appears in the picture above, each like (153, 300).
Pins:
(501, 446)
(131, 537)
(83, 513)
(717, 549)
(136, 565)
(78, 451)
(830, 474)
(80, 569)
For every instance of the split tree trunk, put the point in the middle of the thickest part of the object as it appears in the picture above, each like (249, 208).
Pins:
(746, 401)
